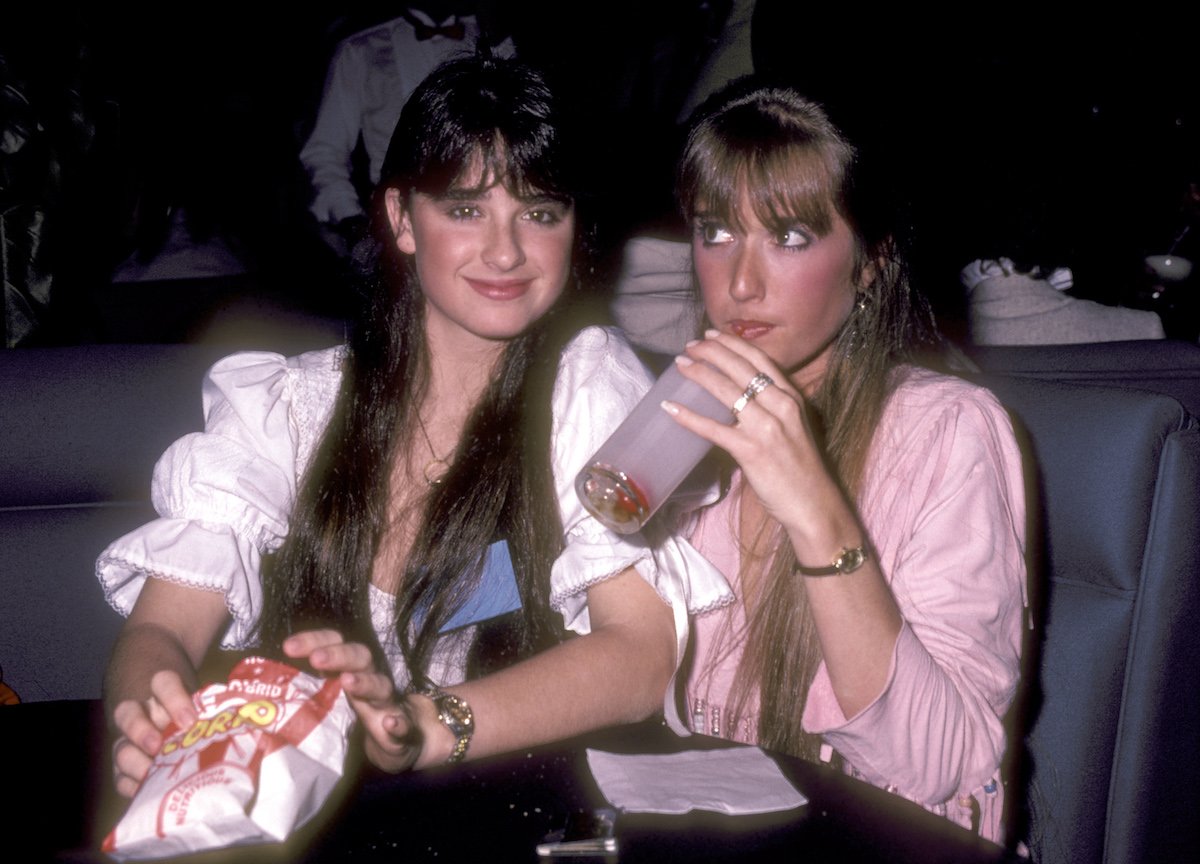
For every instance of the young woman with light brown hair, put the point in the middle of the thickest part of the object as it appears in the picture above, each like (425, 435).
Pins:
(874, 525)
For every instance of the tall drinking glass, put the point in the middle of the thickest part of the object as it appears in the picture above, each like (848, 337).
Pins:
(649, 455)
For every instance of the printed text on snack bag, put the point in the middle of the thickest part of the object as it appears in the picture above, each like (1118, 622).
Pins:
(261, 712)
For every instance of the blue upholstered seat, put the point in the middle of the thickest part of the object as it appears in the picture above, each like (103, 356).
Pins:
(1160, 365)
(80, 430)
(1113, 703)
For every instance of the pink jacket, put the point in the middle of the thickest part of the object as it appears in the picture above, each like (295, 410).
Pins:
(943, 503)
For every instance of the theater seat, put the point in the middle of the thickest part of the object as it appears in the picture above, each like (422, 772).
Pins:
(1161, 365)
(80, 430)
(1112, 707)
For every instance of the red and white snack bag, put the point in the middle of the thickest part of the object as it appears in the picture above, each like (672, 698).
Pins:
(267, 750)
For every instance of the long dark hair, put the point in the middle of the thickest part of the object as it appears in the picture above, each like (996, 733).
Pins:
(469, 113)
(795, 164)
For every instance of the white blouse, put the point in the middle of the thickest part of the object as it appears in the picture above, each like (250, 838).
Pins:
(224, 496)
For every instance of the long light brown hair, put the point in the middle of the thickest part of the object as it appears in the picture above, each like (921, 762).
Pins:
(796, 166)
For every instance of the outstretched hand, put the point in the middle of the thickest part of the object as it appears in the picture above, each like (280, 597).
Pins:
(396, 726)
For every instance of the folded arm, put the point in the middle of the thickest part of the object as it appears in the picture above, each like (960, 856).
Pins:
(955, 558)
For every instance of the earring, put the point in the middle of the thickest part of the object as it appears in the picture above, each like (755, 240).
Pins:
(854, 340)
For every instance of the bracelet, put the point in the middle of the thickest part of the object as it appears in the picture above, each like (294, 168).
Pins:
(846, 561)
(455, 714)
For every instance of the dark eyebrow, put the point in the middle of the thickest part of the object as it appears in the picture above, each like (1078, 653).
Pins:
(458, 193)
(544, 199)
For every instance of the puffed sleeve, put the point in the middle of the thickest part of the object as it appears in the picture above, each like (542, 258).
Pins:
(600, 380)
(945, 507)
(224, 496)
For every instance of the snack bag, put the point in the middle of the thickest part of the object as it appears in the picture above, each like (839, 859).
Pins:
(267, 750)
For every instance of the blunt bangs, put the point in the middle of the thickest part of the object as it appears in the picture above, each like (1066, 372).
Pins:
(488, 167)
(792, 168)
(471, 125)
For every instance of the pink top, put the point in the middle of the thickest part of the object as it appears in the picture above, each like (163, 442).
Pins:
(943, 502)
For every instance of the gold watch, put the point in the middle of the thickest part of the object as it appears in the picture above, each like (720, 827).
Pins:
(455, 714)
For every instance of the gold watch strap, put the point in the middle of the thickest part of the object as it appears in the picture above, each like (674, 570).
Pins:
(456, 715)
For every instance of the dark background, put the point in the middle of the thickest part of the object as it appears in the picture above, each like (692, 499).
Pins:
(1013, 133)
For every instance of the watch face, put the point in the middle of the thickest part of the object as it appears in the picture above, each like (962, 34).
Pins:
(850, 560)
(456, 713)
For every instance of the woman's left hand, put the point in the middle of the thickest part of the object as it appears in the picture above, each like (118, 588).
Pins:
(396, 727)
(771, 441)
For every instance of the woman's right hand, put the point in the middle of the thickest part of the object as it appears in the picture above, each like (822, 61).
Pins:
(152, 672)
(140, 728)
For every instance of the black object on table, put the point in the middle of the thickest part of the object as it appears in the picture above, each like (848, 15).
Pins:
(496, 809)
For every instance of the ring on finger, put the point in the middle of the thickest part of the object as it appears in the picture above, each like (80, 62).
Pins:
(758, 384)
(116, 747)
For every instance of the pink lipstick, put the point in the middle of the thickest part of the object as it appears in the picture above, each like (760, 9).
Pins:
(500, 289)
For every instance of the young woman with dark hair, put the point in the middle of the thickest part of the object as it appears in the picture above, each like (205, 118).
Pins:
(874, 527)
(401, 511)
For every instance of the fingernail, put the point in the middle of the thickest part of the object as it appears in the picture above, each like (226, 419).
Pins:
(684, 360)
(670, 407)
(691, 342)
(711, 334)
